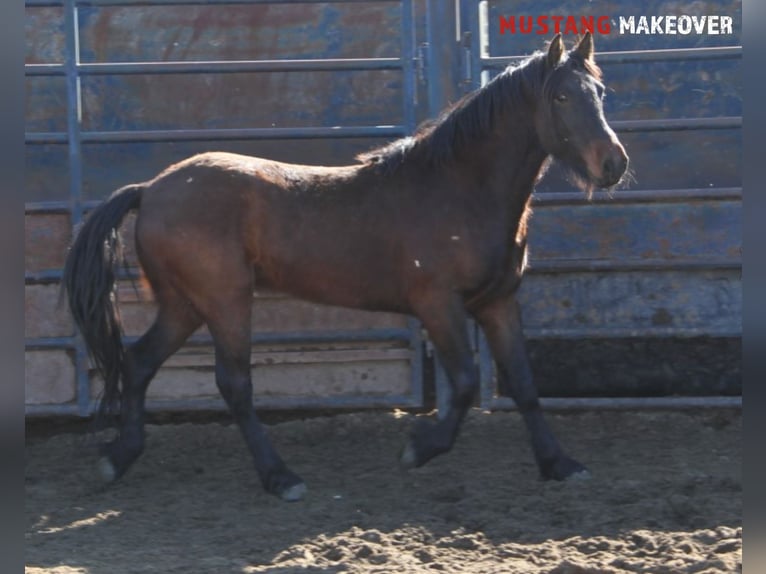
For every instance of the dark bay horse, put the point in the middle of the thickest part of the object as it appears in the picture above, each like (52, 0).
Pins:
(432, 225)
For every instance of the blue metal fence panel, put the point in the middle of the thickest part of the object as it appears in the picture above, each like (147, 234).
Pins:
(115, 102)
(118, 89)
(663, 258)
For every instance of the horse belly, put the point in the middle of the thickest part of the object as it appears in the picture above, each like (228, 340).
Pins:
(336, 268)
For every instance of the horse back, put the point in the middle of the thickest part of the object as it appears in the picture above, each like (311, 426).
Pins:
(340, 235)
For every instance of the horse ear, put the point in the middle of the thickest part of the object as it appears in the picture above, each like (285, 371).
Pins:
(584, 47)
(555, 51)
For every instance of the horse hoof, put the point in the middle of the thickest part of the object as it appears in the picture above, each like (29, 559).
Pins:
(106, 470)
(409, 457)
(564, 468)
(583, 474)
(293, 493)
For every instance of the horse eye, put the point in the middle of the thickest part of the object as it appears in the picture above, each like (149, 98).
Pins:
(561, 98)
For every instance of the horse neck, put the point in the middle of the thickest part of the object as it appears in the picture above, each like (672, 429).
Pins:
(510, 161)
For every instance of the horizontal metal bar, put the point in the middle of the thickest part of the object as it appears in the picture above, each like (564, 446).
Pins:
(659, 196)
(309, 337)
(45, 137)
(58, 206)
(636, 56)
(290, 403)
(134, 136)
(240, 66)
(42, 277)
(670, 55)
(677, 124)
(364, 402)
(218, 405)
(657, 125)
(330, 64)
(217, 67)
(47, 207)
(160, 3)
(48, 343)
(595, 332)
(628, 403)
(531, 333)
(622, 265)
(270, 338)
(34, 70)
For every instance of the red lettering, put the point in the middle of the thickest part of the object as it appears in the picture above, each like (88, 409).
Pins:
(571, 26)
(557, 25)
(507, 24)
(586, 23)
(542, 25)
(603, 25)
(529, 22)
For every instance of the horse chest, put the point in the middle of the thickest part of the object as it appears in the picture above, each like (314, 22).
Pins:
(501, 268)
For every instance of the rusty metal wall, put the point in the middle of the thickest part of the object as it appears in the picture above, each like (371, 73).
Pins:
(117, 90)
(643, 282)
(630, 296)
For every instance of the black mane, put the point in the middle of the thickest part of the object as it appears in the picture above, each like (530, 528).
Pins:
(474, 116)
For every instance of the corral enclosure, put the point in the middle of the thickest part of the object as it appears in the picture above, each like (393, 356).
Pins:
(635, 294)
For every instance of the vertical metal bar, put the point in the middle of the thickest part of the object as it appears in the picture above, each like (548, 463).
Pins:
(408, 54)
(443, 390)
(432, 86)
(486, 371)
(472, 22)
(416, 367)
(408, 63)
(74, 121)
(482, 37)
(443, 69)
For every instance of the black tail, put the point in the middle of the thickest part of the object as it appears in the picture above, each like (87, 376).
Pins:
(89, 281)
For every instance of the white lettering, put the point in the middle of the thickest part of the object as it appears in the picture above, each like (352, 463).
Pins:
(677, 24)
(712, 25)
(726, 25)
(670, 24)
(643, 26)
(699, 23)
(684, 24)
(628, 25)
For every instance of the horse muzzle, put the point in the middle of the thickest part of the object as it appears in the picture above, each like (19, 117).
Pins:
(607, 162)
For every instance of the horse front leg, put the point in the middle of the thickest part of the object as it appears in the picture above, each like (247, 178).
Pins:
(446, 322)
(501, 322)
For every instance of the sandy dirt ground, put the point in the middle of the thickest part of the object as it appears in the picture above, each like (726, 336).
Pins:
(665, 497)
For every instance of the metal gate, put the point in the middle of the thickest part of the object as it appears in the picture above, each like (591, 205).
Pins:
(99, 74)
(657, 265)
(118, 89)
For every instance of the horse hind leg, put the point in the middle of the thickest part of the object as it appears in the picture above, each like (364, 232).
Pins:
(228, 316)
(175, 321)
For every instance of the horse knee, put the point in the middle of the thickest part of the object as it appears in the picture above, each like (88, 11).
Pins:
(237, 391)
